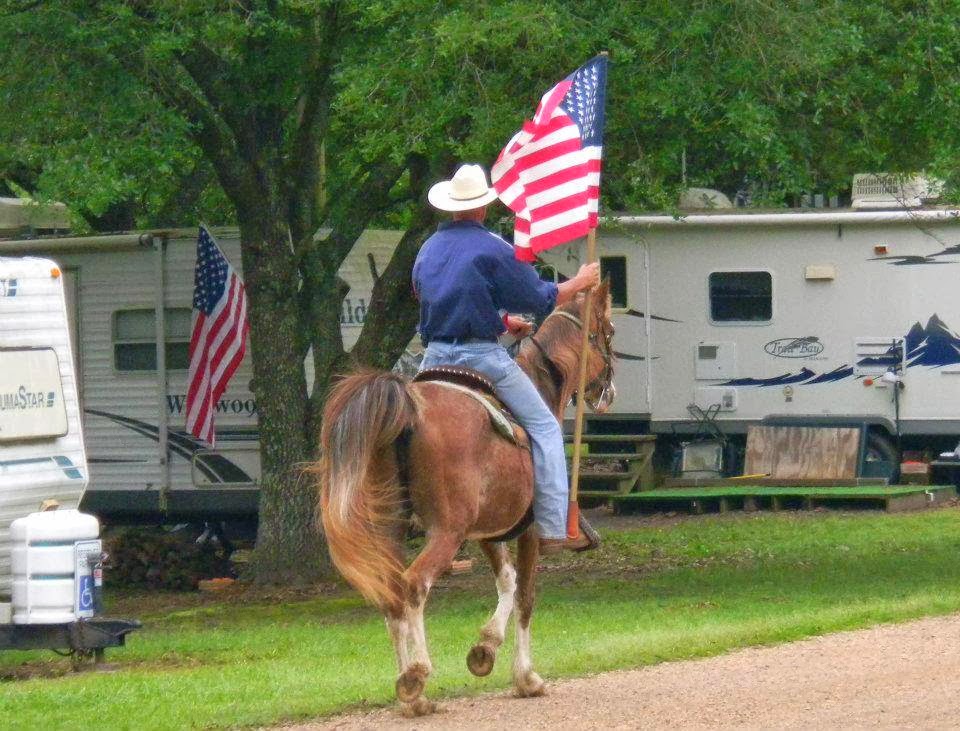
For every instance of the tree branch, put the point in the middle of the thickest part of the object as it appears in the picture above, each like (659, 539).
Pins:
(393, 309)
(206, 127)
(360, 199)
(207, 71)
(323, 291)
(312, 115)
(313, 106)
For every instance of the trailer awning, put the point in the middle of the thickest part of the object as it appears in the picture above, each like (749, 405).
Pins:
(76, 244)
(121, 241)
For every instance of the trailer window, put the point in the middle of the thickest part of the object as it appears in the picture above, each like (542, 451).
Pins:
(615, 267)
(134, 339)
(741, 296)
(547, 272)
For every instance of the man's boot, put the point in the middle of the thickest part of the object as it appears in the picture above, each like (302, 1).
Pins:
(587, 539)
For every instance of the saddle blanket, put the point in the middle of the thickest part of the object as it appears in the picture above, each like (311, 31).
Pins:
(479, 387)
(503, 425)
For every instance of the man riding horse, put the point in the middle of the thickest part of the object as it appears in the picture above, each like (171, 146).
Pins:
(466, 277)
(395, 452)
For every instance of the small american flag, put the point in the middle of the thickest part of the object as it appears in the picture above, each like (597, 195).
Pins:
(549, 172)
(219, 337)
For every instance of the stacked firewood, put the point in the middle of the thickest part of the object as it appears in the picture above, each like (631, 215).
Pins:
(158, 558)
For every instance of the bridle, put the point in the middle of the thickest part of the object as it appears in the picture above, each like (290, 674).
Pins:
(605, 352)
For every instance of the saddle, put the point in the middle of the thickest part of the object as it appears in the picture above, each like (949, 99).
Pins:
(478, 386)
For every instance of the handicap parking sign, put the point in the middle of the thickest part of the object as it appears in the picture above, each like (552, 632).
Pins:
(85, 593)
(86, 553)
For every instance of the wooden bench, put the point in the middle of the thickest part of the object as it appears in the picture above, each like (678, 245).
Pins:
(615, 464)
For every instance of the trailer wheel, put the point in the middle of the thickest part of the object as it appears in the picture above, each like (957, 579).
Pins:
(882, 458)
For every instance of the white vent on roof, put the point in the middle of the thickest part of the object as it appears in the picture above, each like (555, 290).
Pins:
(885, 190)
(695, 199)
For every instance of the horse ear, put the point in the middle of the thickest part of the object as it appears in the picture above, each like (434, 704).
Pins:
(601, 296)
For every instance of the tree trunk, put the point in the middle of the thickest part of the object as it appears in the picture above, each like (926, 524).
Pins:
(290, 548)
(394, 311)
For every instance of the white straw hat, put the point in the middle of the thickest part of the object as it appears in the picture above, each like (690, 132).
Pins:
(467, 190)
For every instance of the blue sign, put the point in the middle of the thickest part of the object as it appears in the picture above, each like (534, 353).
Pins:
(86, 555)
(85, 593)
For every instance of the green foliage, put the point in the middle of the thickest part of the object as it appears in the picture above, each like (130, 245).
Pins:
(652, 593)
(82, 134)
(794, 96)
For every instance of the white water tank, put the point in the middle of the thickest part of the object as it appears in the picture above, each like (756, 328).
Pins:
(50, 577)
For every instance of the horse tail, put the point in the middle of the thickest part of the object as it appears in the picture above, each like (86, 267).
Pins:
(360, 488)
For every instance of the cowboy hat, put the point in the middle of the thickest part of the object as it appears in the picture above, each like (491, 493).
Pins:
(466, 190)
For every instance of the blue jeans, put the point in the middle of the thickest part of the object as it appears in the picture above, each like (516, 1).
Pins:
(516, 390)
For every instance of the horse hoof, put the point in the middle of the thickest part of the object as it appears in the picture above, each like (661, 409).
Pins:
(529, 685)
(411, 682)
(480, 659)
(420, 707)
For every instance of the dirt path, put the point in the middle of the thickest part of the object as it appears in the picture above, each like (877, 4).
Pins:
(893, 676)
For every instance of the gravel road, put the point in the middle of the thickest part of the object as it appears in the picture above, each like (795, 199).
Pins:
(904, 676)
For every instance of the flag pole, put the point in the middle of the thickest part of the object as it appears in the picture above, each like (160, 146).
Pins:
(573, 510)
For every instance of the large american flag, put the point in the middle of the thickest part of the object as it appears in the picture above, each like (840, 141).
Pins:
(219, 337)
(549, 172)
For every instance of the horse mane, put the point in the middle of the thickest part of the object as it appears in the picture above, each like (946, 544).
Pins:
(560, 338)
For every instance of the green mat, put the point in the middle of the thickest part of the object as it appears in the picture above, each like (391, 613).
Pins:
(681, 493)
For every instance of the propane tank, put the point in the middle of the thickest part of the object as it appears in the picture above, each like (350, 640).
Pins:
(53, 576)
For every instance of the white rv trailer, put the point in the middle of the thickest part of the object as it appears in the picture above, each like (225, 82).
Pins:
(41, 441)
(809, 316)
(128, 295)
(758, 315)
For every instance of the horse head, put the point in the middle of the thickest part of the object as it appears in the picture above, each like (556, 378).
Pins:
(599, 391)
(556, 349)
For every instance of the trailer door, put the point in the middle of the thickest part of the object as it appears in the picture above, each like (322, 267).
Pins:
(623, 264)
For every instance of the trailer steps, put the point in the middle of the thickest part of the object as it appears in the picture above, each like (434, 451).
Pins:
(614, 464)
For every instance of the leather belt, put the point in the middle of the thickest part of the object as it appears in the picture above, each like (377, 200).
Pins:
(463, 341)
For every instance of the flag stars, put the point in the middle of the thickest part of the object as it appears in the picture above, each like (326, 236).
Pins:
(211, 275)
(584, 102)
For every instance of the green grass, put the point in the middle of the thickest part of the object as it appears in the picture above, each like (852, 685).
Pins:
(655, 592)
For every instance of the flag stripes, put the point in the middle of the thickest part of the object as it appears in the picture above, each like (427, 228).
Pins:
(548, 174)
(218, 340)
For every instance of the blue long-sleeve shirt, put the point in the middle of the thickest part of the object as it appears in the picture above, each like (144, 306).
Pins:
(465, 275)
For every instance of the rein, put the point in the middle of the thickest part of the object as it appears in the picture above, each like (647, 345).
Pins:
(557, 375)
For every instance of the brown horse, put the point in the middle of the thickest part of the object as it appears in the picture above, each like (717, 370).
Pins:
(391, 450)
